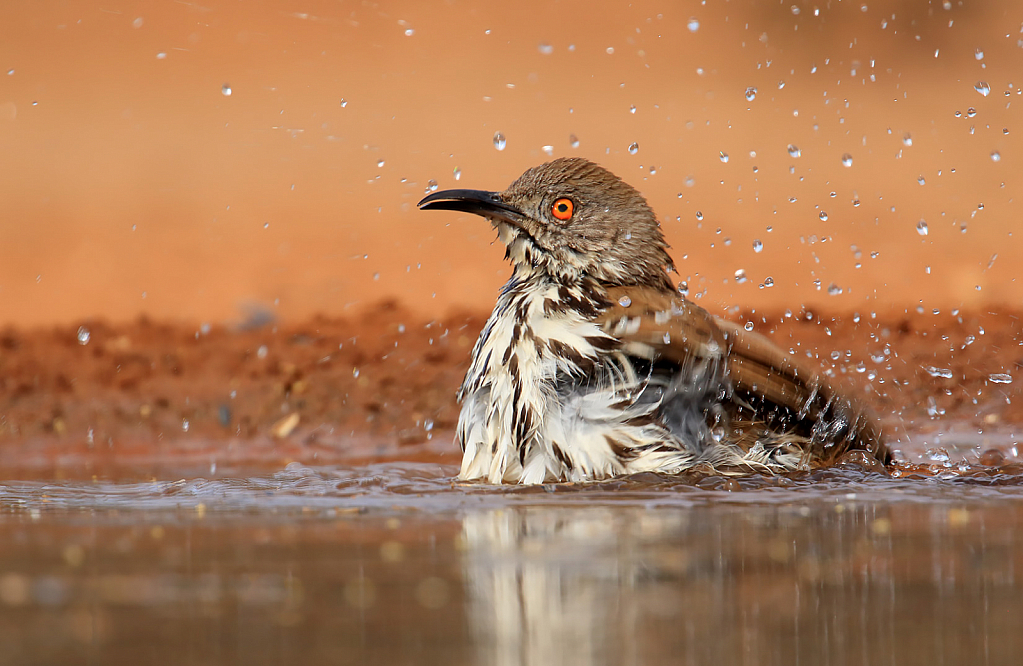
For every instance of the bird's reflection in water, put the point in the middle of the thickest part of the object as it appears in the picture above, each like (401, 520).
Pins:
(842, 583)
(544, 585)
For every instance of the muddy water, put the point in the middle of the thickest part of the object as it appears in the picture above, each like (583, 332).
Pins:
(394, 563)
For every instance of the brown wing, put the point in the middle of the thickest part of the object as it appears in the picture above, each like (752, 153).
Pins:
(766, 373)
(651, 324)
(769, 385)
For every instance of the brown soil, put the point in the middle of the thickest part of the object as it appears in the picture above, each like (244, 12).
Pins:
(150, 396)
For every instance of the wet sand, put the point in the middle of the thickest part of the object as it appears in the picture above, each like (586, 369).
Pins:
(137, 398)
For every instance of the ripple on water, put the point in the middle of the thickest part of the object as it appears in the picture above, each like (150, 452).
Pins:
(433, 488)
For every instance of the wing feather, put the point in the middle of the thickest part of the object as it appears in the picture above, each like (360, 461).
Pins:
(769, 388)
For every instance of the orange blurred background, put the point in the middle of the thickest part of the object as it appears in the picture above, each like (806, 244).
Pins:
(198, 161)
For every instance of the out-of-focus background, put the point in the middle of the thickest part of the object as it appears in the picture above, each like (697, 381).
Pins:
(198, 161)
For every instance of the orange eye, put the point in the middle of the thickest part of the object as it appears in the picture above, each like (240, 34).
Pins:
(562, 209)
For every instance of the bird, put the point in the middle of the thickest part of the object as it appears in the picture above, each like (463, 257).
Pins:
(592, 365)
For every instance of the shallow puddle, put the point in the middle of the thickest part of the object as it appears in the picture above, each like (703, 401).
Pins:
(394, 563)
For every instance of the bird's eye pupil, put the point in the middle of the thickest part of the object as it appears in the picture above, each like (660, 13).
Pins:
(562, 208)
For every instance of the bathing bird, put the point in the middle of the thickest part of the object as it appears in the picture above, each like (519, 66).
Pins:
(592, 365)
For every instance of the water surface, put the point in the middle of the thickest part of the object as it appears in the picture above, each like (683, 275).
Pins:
(395, 563)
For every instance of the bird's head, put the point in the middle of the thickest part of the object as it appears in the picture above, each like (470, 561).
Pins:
(571, 218)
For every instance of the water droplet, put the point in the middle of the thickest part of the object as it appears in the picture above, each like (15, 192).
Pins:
(921, 227)
(409, 32)
(907, 139)
(573, 140)
(794, 152)
(781, 84)
(757, 246)
(184, 424)
(683, 288)
(610, 50)
(971, 112)
(355, 372)
(795, 10)
(161, 56)
(262, 351)
(266, 225)
(344, 103)
(834, 289)
(632, 109)
(983, 88)
(768, 281)
(1000, 378)
(499, 141)
(996, 156)
(83, 335)
(740, 276)
(547, 149)
(625, 301)
(723, 157)
(380, 164)
(545, 48)
(693, 25)
(699, 215)
(847, 160)
(823, 216)
(225, 90)
(921, 180)
(978, 54)
(431, 185)
(751, 94)
(633, 148)
(10, 72)
(945, 373)
(457, 173)
(748, 326)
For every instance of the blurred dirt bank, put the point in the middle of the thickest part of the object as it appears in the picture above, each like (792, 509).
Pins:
(137, 397)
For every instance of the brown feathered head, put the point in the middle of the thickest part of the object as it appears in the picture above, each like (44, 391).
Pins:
(572, 218)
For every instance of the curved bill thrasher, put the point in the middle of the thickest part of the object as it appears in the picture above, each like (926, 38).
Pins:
(592, 365)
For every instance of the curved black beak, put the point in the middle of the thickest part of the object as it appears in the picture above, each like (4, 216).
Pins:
(477, 202)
